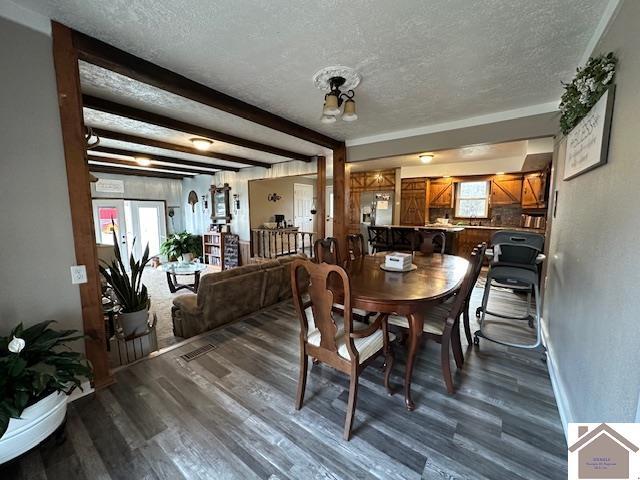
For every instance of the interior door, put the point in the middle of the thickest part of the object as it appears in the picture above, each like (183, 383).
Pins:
(109, 215)
(147, 225)
(328, 228)
(302, 204)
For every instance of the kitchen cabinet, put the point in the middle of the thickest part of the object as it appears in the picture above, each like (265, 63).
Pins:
(534, 190)
(469, 238)
(506, 190)
(413, 201)
(441, 192)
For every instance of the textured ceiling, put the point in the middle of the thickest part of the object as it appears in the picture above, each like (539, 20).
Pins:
(423, 61)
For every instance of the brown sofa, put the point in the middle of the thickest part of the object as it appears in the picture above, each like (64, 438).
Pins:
(226, 296)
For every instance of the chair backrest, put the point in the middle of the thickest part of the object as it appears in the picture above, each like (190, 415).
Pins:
(469, 281)
(430, 240)
(405, 239)
(378, 236)
(326, 251)
(322, 281)
(355, 246)
(516, 248)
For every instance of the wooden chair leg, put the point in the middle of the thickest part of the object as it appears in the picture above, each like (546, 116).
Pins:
(445, 346)
(388, 360)
(467, 328)
(351, 406)
(302, 381)
(456, 346)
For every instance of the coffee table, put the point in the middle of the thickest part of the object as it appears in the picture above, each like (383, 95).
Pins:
(174, 269)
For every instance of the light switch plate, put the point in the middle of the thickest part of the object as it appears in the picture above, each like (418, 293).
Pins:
(78, 274)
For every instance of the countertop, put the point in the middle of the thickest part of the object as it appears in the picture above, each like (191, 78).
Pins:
(459, 228)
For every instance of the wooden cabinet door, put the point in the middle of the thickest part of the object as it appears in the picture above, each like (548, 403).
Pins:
(506, 190)
(441, 192)
(533, 190)
(413, 201)
(469, 238)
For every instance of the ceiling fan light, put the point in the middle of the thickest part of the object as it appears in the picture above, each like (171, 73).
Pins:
(349, 114)
(143, 161)
(328, 119)
(331, 105)
(202, 144)
(426, 158)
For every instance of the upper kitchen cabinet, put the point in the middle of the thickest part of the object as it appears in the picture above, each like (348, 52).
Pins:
(506, 190)
(441, 192)
(413, 196)
(534, 188)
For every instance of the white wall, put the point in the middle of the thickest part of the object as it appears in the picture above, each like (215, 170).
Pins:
(592, 301)
(239, 183)
(35, 226)
(149, 188)
(197, 219)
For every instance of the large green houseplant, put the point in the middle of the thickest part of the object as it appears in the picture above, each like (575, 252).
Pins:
(131, 293)
(179, 246)
(36, 362)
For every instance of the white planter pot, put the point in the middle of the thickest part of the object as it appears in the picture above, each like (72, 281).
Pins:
(36, 423)
(186, 257)
(133, 323)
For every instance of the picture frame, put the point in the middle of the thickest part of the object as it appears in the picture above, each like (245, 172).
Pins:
(588, 142)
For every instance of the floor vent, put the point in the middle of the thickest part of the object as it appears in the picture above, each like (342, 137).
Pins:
(198, 352)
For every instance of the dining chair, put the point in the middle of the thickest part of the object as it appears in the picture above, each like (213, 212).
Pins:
(326, 251)
(430, 242)
(342, 343)
(442, 321)
(379, 239)
(405, 239)
(355, 247)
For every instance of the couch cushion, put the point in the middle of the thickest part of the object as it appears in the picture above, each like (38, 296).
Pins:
(187, 302)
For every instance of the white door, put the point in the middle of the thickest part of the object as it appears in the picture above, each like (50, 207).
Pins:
(302, 204)
(328, 228)
(108, 215)
(146, 223)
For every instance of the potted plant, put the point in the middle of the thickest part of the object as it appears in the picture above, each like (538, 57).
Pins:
(182, 246)
(36, 375)
(129, 290)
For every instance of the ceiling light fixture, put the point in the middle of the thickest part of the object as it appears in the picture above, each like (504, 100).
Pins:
(202, 144)
(143, 161)
(426, 158)
(339, 83)
(500, 173)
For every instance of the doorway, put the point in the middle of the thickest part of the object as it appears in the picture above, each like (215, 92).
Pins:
(302, 206)
(141, 220)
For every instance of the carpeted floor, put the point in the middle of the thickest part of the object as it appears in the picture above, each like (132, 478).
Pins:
(161, 299)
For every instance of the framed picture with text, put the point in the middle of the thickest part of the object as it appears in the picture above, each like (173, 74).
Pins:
(588, 142)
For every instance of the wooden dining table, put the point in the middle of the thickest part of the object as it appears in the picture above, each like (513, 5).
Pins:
(409, 294)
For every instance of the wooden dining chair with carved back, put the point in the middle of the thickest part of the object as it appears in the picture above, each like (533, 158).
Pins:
(355, 247)
(326, 250)
(442, 321)
(342, 343)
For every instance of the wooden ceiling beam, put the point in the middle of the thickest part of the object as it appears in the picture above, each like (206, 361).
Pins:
(133, 163)
(178, 162)
(132, 171)
(107, 56)
(150, 142)
(133, 113)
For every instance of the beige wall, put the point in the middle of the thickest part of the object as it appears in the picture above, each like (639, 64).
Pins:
(35, 229)
(261, 210)
(592, 306)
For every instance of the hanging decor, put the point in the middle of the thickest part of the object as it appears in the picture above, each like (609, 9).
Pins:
(273, 197)
(586, 88)
(192, 199)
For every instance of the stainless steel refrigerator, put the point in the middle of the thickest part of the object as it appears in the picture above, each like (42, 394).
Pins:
(376, 208)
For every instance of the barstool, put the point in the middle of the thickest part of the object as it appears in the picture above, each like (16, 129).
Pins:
(516, 256)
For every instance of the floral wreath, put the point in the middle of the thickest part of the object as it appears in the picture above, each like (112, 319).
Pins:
(586, 88)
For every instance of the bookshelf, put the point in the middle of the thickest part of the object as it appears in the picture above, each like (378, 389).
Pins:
(220, 249)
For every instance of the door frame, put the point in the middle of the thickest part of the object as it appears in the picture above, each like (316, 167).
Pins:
(305, 185)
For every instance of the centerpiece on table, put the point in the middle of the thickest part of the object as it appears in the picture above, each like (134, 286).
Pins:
(37, 372)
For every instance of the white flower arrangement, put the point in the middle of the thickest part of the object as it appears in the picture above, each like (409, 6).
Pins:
(585, 89)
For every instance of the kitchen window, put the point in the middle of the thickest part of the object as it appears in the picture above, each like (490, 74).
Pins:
(472, 199)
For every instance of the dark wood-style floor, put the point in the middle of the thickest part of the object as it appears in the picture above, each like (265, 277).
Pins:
(229, 415)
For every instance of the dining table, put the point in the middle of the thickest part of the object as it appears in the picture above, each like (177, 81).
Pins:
(436, 278)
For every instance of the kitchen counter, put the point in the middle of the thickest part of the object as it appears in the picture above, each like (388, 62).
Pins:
(493, 227)
(439, 228)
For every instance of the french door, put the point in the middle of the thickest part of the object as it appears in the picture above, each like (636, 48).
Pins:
(142, 220)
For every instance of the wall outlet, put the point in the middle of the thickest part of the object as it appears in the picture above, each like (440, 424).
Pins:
(78, 274)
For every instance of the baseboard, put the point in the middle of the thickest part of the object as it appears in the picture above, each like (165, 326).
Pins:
(559, 392)
(77, 393)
